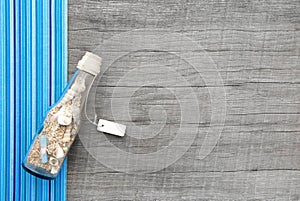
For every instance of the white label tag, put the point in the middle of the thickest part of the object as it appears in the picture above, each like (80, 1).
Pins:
(111, 127)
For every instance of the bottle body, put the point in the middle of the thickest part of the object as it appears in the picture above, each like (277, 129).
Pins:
(61, 125)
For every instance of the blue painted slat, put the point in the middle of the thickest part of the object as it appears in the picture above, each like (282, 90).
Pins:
(11, 100)
(3, 99)
(45, 74)
(53, 78)
(27, 95)
(27, 62)
(17, 101)
(23, 99)
(33, 180)
(39, 82)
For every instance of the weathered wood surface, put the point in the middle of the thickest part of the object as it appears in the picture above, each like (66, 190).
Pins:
(255, 47)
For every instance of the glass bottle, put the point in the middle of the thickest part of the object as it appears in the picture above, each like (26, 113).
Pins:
(61, 125)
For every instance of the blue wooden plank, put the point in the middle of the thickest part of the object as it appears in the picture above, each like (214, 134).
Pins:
(3, 81)
(39, 82)
(22, 96)
(10, 96)
(28, 95)
(45, 71)
(33, 180)
(53, 80)
(17, 101)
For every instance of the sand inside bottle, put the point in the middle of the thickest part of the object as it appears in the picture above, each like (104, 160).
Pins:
(60, 129)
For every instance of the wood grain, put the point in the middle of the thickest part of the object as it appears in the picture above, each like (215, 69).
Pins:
(255, 48)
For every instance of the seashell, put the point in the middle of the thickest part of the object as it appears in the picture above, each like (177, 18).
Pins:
(65, 110)
(64, 120)
(59, 152)
(53, 161)
(54, 170)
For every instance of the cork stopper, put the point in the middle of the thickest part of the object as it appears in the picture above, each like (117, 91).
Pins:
(90, 63)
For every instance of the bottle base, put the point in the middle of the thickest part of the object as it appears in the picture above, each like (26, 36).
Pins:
(38, 172)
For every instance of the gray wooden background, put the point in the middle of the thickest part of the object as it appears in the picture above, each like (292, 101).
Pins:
(255, 47)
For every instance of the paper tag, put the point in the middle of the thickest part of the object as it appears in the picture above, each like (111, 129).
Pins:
(111, 127)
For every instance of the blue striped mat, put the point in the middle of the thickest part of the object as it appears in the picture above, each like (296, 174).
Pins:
(33, 73)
